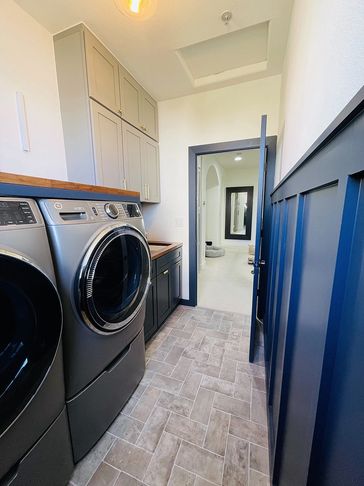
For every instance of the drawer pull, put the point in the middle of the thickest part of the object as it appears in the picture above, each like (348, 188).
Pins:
(165, 272)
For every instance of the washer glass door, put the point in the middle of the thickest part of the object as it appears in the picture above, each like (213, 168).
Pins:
(114, 279)
(30, 330)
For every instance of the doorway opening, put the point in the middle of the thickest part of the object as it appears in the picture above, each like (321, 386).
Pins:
(196, 240)
(227, 190)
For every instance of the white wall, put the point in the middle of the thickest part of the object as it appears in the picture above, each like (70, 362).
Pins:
(324, 69)
(236, 178)
(213, 205)
(27, 65)
(226, 114)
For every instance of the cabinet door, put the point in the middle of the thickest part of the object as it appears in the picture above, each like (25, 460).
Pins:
(175, 276)
(132, 142)
(149, 115)
(151, 323)
(130, 98)
(108, 147)
(102, 73)
(163, 296)
(150, 171)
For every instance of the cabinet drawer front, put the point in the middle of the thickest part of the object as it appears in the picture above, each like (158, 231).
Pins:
(165, 260)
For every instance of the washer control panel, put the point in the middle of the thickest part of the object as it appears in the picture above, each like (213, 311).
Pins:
(14, 212)
(63, 211)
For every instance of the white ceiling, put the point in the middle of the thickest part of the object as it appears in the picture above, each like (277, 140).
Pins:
(226, 159)
(172, 53)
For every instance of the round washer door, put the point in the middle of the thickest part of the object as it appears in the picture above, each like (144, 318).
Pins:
(114, 279)
(31, 326)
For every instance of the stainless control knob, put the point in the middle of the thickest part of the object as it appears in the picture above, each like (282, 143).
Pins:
(111, 210)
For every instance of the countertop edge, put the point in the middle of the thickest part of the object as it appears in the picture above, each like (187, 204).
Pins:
(167, 249)
(7, 178)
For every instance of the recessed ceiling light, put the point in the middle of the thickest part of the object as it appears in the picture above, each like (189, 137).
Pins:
(138, 9)
(238, 158)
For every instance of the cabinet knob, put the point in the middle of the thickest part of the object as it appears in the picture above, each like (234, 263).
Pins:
(120, 112)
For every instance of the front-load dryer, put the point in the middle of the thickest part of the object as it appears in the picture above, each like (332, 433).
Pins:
(35, 447)
(102, 262)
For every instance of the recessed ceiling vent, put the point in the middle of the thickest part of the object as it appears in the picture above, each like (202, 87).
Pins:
(230, 55)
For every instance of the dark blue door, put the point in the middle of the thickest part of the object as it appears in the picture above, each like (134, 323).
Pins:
(258, 239)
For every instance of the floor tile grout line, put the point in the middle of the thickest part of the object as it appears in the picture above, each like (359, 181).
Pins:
(208, 423)
(156, 447)
(226, 445)
(145, 423)
(102, 459)
(124, 472)
(174, 463)
(247, 440)
(219, 456)
(113, 467)
(260, 472)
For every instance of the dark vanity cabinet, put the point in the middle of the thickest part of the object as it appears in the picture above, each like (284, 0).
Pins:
(150, 323)
(165, 290)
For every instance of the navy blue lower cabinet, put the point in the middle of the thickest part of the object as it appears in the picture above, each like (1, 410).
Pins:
(314, 321)
(165, 291)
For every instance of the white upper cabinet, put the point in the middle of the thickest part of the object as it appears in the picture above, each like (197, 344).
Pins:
(149, 115)
(132, 143)
(137, 106)
(98, 97)
(108, 147)
(102, 71)
(150, 171)
(130, 98)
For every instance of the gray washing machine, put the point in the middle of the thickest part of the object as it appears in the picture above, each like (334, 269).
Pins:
(35, 447)
(103, 265)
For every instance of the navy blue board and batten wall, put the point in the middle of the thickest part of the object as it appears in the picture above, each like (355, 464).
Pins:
(315, 312)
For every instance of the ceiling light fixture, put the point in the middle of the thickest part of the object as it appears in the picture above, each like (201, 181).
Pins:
(137, 9)
(238, 158)
(134, 6)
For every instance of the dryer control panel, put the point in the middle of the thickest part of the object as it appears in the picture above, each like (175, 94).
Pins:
(63, 211)
(18, 212)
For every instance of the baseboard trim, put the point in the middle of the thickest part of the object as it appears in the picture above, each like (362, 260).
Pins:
(186, 302)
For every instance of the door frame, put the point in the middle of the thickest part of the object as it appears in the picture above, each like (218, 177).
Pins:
(214, 148)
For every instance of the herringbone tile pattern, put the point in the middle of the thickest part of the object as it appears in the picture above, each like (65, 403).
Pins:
(198, 418)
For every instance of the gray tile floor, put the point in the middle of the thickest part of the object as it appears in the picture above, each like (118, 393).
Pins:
(198, 417)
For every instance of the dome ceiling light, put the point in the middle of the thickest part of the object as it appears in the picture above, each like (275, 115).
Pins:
(137, 9)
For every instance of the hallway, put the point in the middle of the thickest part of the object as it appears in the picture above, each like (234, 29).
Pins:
(226, 283)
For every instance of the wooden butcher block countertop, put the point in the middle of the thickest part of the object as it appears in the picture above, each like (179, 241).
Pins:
(13, 181)
(160, 248)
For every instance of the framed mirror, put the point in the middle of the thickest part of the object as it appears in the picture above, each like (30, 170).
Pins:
(238, 213)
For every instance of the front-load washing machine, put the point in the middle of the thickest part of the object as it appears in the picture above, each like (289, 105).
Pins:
(102, 262)
(35, 447)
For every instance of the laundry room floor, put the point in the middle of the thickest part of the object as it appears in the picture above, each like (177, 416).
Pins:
(198, 417)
